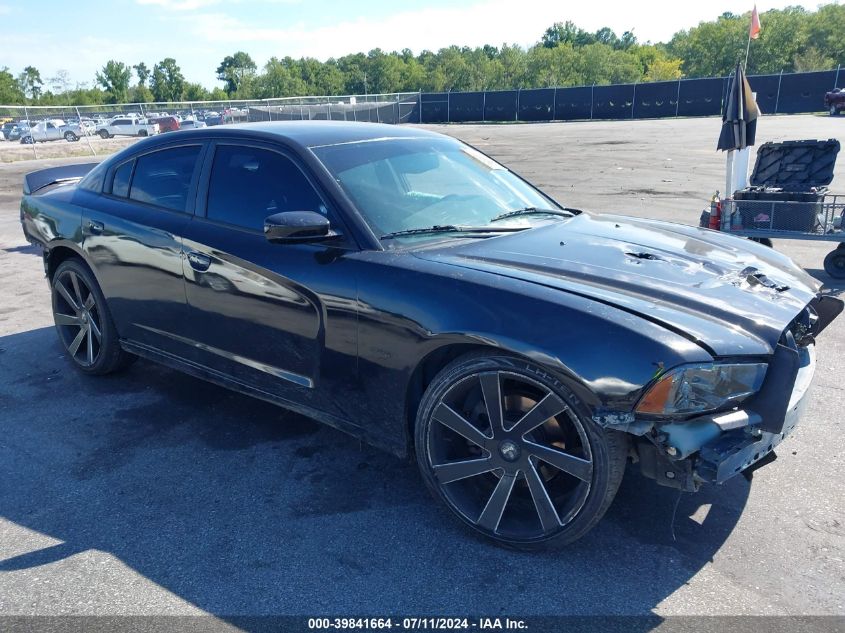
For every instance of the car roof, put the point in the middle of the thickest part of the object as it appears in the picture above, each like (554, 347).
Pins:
(315, 133)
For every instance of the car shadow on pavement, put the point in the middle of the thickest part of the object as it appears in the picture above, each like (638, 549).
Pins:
(27, 249)
(241, 508)
(832, 286)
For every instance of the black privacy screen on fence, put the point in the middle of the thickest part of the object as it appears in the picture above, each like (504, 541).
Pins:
(787, 94)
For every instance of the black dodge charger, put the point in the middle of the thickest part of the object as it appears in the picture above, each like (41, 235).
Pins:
(404, 287)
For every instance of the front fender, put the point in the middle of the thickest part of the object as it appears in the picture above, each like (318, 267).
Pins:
(412, 310)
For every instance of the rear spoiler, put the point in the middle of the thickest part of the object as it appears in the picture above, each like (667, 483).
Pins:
(36, 180)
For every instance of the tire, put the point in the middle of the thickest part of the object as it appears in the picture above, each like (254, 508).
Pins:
(80, 311)
(765, 241)
(142, 133)
(27, 140)
(494, 481)
(834, 263)
(70, 137)
(833, 111)
(104, 134)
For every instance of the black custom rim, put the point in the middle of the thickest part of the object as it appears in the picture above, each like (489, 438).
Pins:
(77, 318)
(510, 456)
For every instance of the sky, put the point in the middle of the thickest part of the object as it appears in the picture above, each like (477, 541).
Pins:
(80, 36)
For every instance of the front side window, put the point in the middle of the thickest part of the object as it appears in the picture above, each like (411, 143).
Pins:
(248, 184)
(407, 183)
(163, 178)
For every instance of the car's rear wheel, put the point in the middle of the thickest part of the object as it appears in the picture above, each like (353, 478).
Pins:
(70, 137)
(27, 140)
(142, 132)
(83, 321)
(103, 134)
(513, 453)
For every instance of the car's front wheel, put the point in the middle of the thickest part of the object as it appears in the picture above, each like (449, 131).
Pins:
(513, 453)
(103, 134)
(83, 321)
(70, 137)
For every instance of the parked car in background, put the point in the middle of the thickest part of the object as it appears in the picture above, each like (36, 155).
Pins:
(213, 119)
(11, 131)
(406, 288)
(191, 124)
(51, 130)
(127, 126)
(834, 101)
(166, 123)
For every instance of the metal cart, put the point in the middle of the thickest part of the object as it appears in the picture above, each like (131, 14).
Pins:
(764, 220)
(788, 199)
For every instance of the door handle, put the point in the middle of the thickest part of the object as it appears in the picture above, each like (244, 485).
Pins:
(198, 261)
(96, 228)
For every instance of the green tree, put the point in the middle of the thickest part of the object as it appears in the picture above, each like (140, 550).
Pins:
(279, 80)
(10, 90)
(195, 92)
(140, 94)
(234, 70)
(115, 78)
(824, 31)
(143, 73)
(30, 82)
(567, 33)
(167, 81)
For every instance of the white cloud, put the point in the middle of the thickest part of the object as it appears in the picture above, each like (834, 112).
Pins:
(491, 22)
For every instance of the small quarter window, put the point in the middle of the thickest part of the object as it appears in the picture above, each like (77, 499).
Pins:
(122, 175)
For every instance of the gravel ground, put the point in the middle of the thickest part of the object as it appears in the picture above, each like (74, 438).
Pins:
(151, 493)
(94, 148)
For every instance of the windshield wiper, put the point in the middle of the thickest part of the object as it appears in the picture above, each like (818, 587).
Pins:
(451, 228)
(565, 212)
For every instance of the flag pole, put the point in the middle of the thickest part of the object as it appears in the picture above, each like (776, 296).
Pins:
(747, 49)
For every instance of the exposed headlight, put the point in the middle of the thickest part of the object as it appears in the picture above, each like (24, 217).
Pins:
(702, 388)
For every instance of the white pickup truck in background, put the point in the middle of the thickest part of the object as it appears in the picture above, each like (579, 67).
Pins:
(127, 126)
(52, 130)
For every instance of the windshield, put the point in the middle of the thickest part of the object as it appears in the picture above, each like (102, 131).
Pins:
(404, 184)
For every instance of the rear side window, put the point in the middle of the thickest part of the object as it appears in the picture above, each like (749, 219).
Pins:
(248, 184)
(163, 178)
(120, 183)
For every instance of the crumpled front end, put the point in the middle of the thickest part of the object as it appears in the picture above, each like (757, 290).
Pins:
(713, 448)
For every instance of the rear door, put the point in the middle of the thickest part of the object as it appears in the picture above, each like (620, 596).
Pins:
(279, 317)
(133, 237)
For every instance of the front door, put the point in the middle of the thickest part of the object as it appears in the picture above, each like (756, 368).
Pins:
(277, 317)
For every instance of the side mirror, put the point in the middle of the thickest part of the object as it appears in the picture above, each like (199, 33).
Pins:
(297, 226)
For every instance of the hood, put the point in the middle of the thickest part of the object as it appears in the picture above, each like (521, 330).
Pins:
(729, 295)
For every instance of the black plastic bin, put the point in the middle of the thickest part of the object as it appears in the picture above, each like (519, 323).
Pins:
(796, 172)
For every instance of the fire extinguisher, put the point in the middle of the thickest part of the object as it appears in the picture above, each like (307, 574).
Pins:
(715, 212)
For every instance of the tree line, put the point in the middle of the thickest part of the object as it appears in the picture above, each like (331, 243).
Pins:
(792, 39)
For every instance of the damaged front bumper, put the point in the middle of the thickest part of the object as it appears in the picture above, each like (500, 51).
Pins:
(714, 448)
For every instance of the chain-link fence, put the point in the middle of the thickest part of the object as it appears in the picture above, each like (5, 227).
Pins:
(784, 93)
(100, 127)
